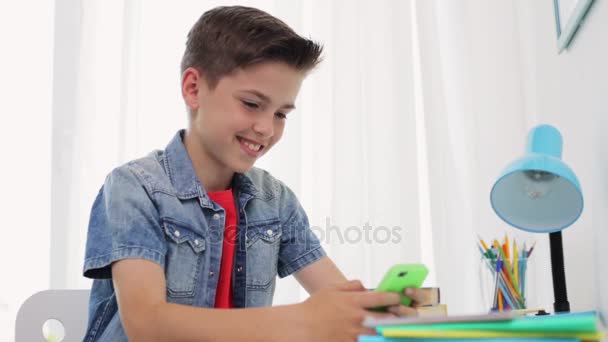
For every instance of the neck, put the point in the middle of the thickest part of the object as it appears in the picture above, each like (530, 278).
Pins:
(210, 173)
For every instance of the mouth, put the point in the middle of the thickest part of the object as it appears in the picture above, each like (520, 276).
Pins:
(251, 147)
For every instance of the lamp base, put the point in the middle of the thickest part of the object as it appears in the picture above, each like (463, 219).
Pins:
(559, 275)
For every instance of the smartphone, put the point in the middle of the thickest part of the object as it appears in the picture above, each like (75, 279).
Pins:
(401, 276)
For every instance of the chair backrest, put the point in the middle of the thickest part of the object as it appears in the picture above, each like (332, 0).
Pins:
(70, 307)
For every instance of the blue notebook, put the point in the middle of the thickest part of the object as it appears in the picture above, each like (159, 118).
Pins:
(369, 338)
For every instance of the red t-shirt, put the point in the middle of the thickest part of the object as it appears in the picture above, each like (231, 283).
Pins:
(223, 295)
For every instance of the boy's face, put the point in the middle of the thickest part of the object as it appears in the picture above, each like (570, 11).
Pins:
(243, 116)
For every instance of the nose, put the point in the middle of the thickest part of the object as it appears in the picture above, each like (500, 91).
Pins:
(264, 125)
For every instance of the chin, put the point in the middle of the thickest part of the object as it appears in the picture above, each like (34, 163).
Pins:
(242, 167)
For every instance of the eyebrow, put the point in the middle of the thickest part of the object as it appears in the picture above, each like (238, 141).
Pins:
(265, 98)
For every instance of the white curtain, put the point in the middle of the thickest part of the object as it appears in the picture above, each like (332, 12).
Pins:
(350, 151)
(477, 117)
(26, 64)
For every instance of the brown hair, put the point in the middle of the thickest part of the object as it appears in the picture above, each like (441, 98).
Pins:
(226, 38)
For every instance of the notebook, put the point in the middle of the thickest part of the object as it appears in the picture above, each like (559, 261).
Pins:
(584, 326)
(371, 322)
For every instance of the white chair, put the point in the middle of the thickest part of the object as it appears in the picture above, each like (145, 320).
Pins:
(70, 307)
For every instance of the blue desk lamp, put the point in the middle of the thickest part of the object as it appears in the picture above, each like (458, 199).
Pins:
(539, 193)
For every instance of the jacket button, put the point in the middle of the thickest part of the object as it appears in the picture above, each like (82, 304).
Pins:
(216, 216)
(196, 242)
(176, 233)
(211, 274)
(269, 232)
(239, 269)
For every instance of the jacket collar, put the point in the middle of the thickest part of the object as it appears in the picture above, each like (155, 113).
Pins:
(183, 178)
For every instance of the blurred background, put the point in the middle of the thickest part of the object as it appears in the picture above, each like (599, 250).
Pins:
(403, 128)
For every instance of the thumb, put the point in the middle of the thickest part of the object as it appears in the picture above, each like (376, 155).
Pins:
(351, 285)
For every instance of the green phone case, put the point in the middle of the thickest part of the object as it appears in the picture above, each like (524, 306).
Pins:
(401, 276)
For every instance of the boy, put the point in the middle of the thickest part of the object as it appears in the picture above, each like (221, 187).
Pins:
(177, 235)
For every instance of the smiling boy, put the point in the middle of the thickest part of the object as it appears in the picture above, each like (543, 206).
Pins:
(182, 233)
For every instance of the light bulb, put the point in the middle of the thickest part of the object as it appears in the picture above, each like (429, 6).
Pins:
(538, 184)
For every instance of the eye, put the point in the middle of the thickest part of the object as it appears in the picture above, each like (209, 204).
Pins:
(281, 116)
(250, 105)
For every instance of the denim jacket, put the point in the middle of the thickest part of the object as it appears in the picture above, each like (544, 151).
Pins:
(156, 209)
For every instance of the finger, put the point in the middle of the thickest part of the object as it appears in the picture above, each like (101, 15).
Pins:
(378, 315)
(403, 311)
(366, 331)
(351, 285)
(417, 295)
(372, 299)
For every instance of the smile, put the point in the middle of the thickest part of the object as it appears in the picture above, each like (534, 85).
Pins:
(250, 147)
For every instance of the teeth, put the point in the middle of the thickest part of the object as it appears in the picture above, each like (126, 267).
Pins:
(251, 146)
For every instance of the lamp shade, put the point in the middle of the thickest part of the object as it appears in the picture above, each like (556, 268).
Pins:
(538, 192)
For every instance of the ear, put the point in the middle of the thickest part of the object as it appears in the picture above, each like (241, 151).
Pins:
(191, 87)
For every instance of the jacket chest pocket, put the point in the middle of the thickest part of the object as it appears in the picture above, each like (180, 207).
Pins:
(263, 243)
(183, 260)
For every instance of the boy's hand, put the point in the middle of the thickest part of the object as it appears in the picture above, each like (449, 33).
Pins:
(337, 313)
(418, 296)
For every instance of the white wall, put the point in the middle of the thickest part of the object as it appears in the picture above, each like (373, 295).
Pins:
(26, 60)
(570, 91)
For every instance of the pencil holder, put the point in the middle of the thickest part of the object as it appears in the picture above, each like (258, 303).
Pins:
(505, 270)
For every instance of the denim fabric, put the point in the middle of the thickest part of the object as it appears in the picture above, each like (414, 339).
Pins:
(155, 208)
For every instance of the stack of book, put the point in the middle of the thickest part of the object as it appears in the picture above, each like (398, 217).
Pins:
(501, 326)
(431, 306)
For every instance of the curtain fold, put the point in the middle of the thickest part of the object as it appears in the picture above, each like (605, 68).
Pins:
(477, 119)
(359, 136)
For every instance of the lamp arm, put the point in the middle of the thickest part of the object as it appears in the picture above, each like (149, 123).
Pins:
(559, 275)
